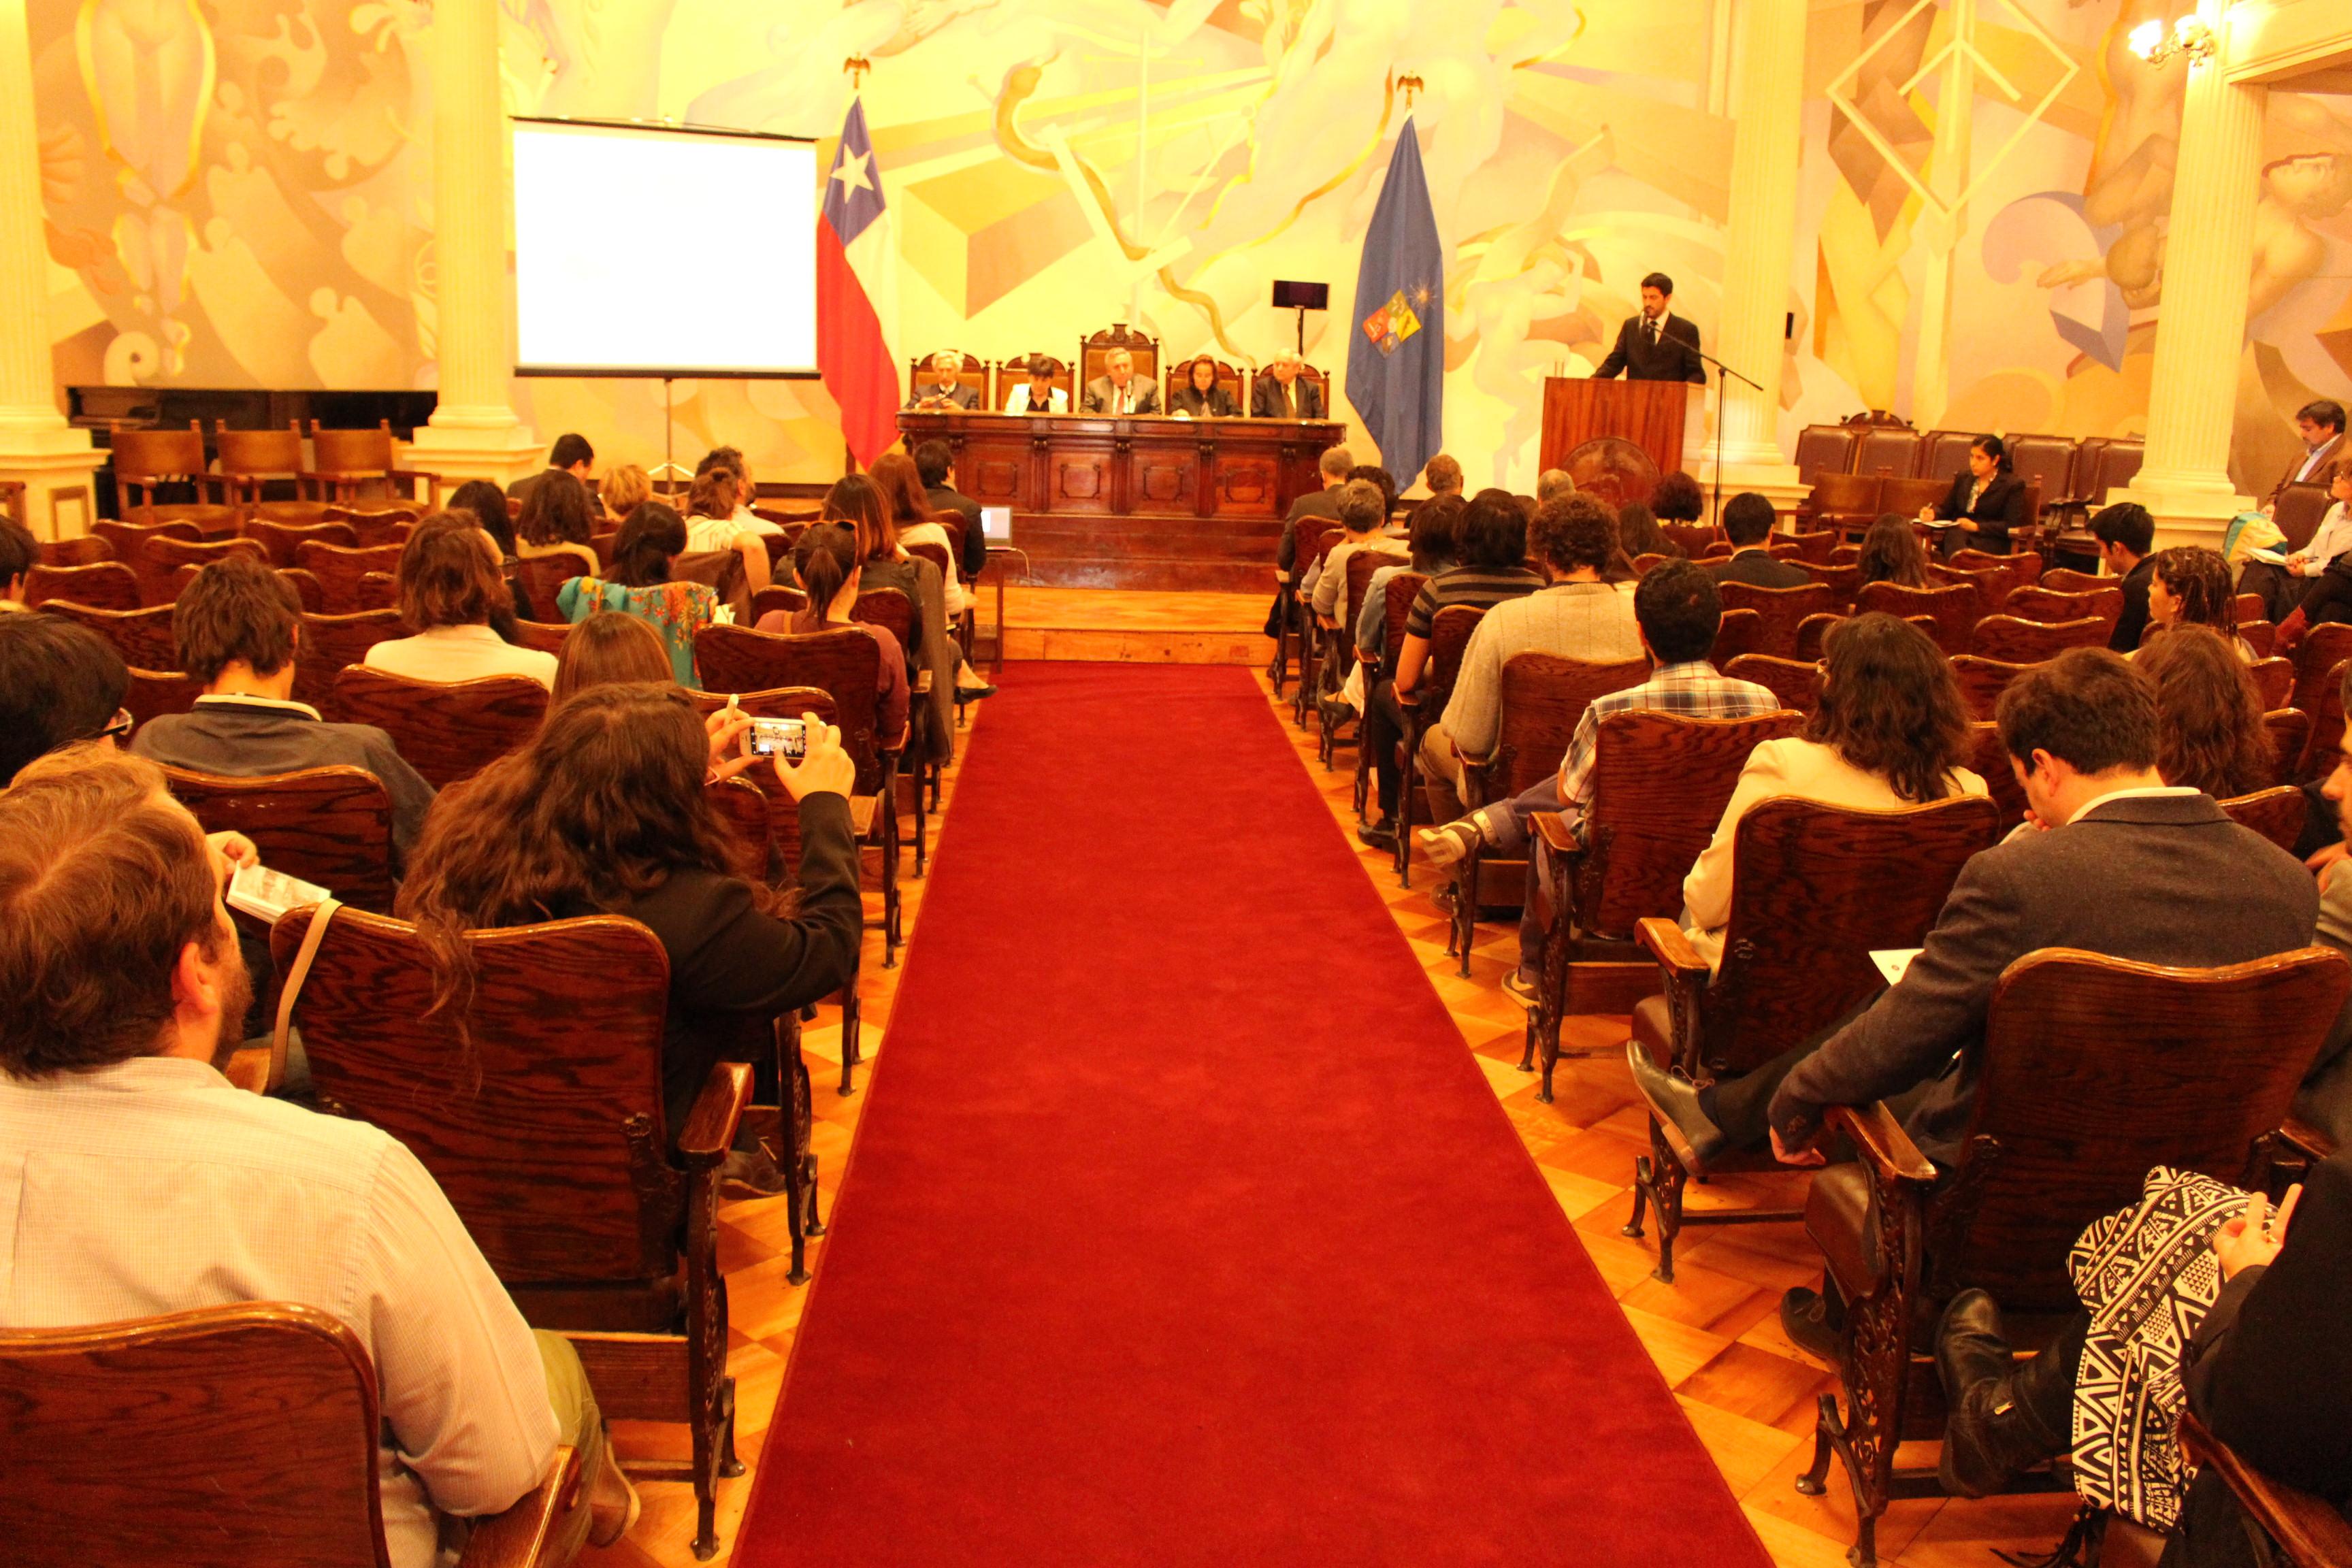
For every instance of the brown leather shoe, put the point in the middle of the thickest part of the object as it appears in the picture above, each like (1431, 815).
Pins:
(612, 1502)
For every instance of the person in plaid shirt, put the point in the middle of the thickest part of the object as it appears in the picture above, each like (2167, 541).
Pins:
(1677, 611)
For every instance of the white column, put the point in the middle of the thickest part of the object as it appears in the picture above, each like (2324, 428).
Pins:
(2200, 330)
(1949, 173)
(38, 448)
(474, 432)
(1768, 88)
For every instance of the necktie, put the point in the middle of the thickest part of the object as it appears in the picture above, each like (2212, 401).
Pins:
(1288, 410)
(1652, 327)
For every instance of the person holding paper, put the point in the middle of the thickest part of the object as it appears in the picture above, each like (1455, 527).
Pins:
(2285, 581)
(1987, 502)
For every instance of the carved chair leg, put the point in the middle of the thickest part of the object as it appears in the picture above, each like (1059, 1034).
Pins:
(922, 844)
(850, 1032)
(1815, 1480)
(1465, 907)
(1552, 984)
(1407, 786)
(730, 1466)
(1667, 1199)
(1645, 1172)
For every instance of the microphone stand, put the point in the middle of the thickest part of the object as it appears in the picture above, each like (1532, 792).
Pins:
(1720, 390)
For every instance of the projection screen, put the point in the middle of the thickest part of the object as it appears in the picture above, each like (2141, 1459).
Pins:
(716, 275)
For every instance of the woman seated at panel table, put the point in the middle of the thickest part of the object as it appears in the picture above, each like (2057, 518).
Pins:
(1038, 394)
(1200, 397)
(1986, 502)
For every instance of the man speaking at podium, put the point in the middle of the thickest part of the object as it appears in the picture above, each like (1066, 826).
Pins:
(1656, 345)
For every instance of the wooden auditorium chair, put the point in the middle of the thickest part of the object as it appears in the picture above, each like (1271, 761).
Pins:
(1313, 644)
(129, 543)
(144, 462)
(2012, 640)
(154, 692)
(1779, 610)
(143, 637)
(253, 460)
(329, 826)
(1989, 759)
(1815, 889)
(338, 570)
(174, 556)
(2316, 657)
(1360, 567)
(353, 465)
(447, 730)
(327, 643)
(101, 585)
(2050, 606)
(1955, 608)
(2307, 1531)
(1842, 578)
(1399, 592)
(894, 612)
(2094, 1071)
(383, 523)
(1449, 638)
(282, 541)
(2277, 813)
(1796, 682)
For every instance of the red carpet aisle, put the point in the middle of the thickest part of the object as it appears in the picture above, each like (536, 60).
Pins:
(1136, 1263)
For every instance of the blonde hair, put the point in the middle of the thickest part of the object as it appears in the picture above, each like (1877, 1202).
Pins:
(625, 488)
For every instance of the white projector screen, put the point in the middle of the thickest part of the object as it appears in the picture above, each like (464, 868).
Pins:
(717, 278)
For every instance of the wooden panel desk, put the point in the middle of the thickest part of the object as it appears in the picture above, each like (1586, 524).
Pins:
(1151, 503)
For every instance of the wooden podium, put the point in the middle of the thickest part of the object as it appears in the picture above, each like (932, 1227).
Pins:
(1601, 431)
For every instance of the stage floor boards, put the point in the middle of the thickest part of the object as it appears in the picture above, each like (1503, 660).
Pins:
(1131, 625)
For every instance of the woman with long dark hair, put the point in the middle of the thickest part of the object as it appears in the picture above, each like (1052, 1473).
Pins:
(2208, 714)
(831, 577)
(488, 505)
(1891, 730)
(452, 592)
(1985, 502)
(605, 812)
(558, 518)
(857, 500)
(641, 586)
(711, 525)
(607, 649)
(2189, 585)
(1638, 533)
(1891, 553)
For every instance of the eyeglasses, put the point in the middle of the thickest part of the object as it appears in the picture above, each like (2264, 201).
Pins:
(118, 726)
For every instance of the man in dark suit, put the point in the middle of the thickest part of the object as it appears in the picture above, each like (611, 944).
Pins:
(2127, 536)
(1283, 393)
(2321, 425)
(944, 390)
(1657, 344)
(933, 464)
(1116, 390)
(1332, 467)
(1748, 523)
(571, 455)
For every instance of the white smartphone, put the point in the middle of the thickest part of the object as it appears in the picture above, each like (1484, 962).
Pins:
(787, 737)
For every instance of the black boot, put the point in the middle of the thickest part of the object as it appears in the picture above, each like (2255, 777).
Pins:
(2001, 1418)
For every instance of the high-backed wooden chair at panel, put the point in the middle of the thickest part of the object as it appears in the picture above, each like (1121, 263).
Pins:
(846, 665)
(1796, 682)
(1846, 503)
(1982, 681)
(1779, 609)
(1945, 452)
(1179, 374)
(1955, 608)
(2308, 1531)
(170, 555)
(1660, 783)
(281, 540)
(1890, 452)
(101, 585)
(2093, 1072)
(354, 467)
(1449, 637)
(327, 643)
(544, 1124)
(329, 826)
(338, 570)
(251, 462)
(1543, 697)
(383, 523)
(144, 462)
(1012, 373)
(1141, 347)
(2015, 641)
(971, 371)
(1815, 889)
(223, 1437)
(445, 731)
(1823, 448)
(143, 637)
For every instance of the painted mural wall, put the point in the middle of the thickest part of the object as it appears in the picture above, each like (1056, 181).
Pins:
(239, 193)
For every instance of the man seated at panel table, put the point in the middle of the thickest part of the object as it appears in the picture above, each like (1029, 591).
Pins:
(944, 391)
(1037, 394)
(1283, 393)
(2124, 865)
(1116, 390)
(239, 625)
(141, 1182)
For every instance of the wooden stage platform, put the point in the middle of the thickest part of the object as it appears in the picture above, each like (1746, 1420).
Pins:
(1128, 625)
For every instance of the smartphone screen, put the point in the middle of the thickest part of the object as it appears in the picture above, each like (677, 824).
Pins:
(787, 737)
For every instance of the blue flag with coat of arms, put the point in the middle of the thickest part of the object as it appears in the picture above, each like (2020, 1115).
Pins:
(1396, 362)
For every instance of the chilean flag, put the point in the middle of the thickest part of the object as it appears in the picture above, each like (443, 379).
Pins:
(858, 295)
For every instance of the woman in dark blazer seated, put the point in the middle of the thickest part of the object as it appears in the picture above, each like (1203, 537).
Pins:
(1200, 396)
(1987, 502)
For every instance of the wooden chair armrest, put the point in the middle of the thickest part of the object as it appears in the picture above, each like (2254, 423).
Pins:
(710, 1129)
(1553, 830)
(2306, 1528)
(413, 474)
(2306, 1140)
(1884, 1146)
(519, 1537)
(1671, 947)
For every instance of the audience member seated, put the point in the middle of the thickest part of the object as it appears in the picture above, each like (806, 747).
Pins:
(2127, 536)
(832, 578)
(533, 836)
(2326, 1099)
(2284, 588)
(1036, 394)
(1442, 475)
(451, 592)
(1638, 533)
(571, 455)
(625, 488)
(558, 518)
(935, 466)
(2123, 864)
(1322, 505)
(1200, 397)
(153, 1185)
(1987, 503)
(238, 625)
(1552, 483)
(488, 505)
(1491, 542)
(1363, 514)
(2320, 422)
(19, 554)
(1430, 545)
(1678, 498)
(2188, 585)
(2208, 714)
(1748, 523)
(1891, 731)
(641, 586)
(59, 681)
(2264, 1367)
(1577, 615)
(710, 525)
(1676, 611)
(606, 649)
(856, 502)
(1891, 553)
(901, 484)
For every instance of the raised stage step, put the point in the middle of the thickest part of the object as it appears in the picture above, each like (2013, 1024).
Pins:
(1127, 627)
(1157, 554)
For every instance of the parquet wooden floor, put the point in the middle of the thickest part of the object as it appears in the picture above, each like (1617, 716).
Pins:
(1715, 1333)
